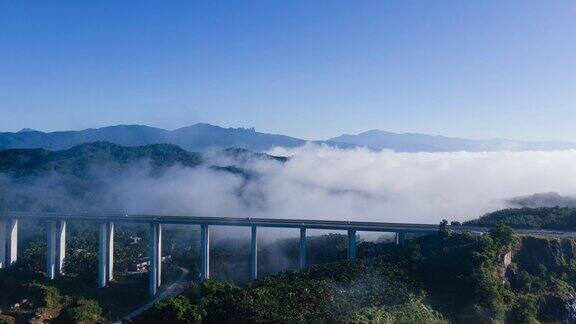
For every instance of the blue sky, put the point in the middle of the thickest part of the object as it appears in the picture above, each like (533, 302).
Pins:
(312, 69)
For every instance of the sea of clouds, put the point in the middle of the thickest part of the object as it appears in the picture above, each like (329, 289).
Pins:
(319, 182)
(326, 183)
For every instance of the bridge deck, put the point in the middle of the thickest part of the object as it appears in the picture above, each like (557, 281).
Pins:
(56, 228)
(269, 222)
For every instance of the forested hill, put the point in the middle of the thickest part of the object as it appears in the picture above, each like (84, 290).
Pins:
(558, 218)
(105, 155)
(89, 176)
(79, 159)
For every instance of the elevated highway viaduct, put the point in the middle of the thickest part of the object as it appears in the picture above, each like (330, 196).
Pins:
(56, 237)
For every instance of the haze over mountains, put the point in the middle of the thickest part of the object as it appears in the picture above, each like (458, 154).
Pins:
(412, 142)
(198, 137)
(203, 137)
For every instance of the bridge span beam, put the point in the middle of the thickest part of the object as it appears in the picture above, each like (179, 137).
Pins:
(204, 252)
(155, 269)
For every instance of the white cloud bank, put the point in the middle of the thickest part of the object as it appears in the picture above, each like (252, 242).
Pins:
(325, 183)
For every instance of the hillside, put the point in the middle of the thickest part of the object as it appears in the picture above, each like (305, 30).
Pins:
(91, 176)
(558, 218)
(438, 278)
(411, 142)
(79, 159)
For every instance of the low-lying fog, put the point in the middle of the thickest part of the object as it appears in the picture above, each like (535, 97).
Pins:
(410, 187)
(326, 183)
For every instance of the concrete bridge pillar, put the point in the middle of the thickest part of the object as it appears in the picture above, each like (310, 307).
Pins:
(2, 243)
(155, 269)
(302, 248)
(12, 242)
(351, 245)
(102, 254)
(60, 246)
(105, 253)
(400, 238)
(254, 254)
(110, 251)
(204, 252)
(50, 250)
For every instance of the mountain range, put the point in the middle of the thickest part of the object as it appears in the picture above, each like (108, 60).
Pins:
(412, 142)
(202, 137)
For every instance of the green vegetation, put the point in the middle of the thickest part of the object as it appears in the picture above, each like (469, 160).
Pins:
(433, 279)
(440, 278)
(78, 160)
(27, 294)
(558, 218)
(83, 311)
(174, 310)
(302, 297)
(75, 296)
(78, 179)
(30, 297)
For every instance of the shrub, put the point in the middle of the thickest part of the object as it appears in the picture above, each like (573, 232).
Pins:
(375, 315)
(411, 313)
(222, 302)
(5, 319)
(40, 295)
(83, 311)
(33, 256)
(176, 310)
(524, 309)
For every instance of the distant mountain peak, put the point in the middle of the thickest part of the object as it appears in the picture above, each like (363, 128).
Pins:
(27, 130)
(210, 126)
(198, 138)
(204, 137)
(415, 142)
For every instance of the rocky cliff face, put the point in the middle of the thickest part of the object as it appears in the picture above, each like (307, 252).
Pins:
(570, 306)
(545, 268)
(554, 254)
